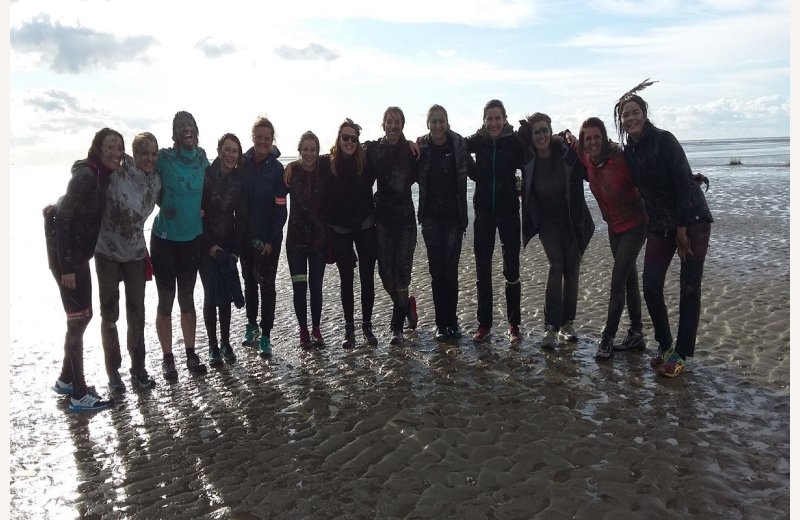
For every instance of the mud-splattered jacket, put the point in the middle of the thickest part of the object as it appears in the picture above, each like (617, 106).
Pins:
(497, 163)
(266, 198)
(78, 214)
(182, 176)
(306, 230)
(465, 167)
(395, 170)
(225, 209)
(131, 198)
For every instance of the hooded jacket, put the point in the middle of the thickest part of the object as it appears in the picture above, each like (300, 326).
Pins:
(662, 174)
(78, 214)
(497, 162)
(395, 171)
(266, 198)
(581, 221)
(182, 175)
(465, 167)
(225, 209)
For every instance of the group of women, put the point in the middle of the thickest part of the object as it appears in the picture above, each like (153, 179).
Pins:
(216, 216)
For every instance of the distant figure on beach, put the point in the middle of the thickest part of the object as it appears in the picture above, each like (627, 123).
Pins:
(498, 156)
(120, 254)
(444, 166)
(306, 236)
(267, 215)
(176, 238)
(391, 162)
(554, 207)
(224, 208)
(350, 215)
(71, 230)
(623, 210)
(679, 218)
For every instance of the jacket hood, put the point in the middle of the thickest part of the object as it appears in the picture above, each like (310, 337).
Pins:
(274, 152)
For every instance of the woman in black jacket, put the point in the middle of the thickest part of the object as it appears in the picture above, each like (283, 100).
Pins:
(554, 207)
(679, 219)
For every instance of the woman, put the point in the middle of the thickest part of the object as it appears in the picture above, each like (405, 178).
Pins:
(623, 209)
(175, 239)
(498, 156)
(554, 207)
(390, 161)
(120, 255)
(266, 217)
(444, 165)
(306, 237)
(224, 227)
(350, 216)
(679, 219)
(71, 228)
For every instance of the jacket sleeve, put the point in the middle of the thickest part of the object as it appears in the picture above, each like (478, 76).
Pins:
(240, 218)
(205, 240)
(81, 186)
(279, 212)
(680, 172)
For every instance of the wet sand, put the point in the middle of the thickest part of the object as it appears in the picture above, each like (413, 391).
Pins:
(434, 431)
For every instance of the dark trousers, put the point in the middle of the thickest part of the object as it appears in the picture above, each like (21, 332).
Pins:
(78, 306)
(443, 242)
(268, 269)
(175, 264)
(561, 292)
(109, 275)
(307, 271)
(625, 248)
(207, 264)
(658, 254)
(486, 226)
(396, 244)
(365, 242)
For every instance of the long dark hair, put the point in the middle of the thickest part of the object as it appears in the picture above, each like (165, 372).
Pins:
(235, 139)
(627, 97)
(595, 122)
(360, 155)
(96, 148)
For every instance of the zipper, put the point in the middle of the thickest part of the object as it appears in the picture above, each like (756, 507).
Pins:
(494, 173)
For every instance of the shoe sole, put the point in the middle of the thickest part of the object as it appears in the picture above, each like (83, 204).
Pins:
(639, 345)
(147, 386)
(216, 363)
(61, 391)
(171, 376)
(602, 357)
(671, 374)
(80, 409)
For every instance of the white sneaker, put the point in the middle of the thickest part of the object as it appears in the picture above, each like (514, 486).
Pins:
(89, 403)
(549, 340)
(567, 332)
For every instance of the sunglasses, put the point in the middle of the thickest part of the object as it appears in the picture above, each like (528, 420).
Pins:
(350, 138)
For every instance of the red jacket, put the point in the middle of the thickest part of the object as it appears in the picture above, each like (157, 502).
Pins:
(616, 194)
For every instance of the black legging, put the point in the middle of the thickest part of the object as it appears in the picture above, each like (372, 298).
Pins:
(365, 242)
(307, 271)
(561, 292)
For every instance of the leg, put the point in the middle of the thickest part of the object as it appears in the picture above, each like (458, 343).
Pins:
(268, 293)
(436, 249)
(657, 257)
(484, 230)
(366, 245)
(691, 284)
(550, 237)
(134, 279)
(342, 244)
(78, 307)
(316, 274)
(208, 277)
(453, 237)
(165, 272)
(188, 263)
(298, 269)
(250, 286)
(510, 242)
(572, 268)
(109, 274)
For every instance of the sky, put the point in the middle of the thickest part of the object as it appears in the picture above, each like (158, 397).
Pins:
(722, 66)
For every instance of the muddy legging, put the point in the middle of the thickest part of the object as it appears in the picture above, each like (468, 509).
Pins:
(396, 243)
(175, 263)
(366, 244)
(307, 271)
(78, 306)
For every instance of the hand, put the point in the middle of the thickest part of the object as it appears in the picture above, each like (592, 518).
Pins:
(414, 149)
(48, 210)
(287, 174)
(684, 246)
(68, 280)
(571, 139)
(267, 249)
(213, 251)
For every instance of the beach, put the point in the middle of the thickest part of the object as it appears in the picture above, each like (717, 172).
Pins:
(427, 430)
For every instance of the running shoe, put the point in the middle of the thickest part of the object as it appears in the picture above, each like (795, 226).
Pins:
(349, 336)
(251, 334)
(194, 365)
(63, 388)
(634, 340)
(369, 336)
(674, 365)
(514, 334)
(214, 356)
(550, 337)
(606, 349)
(169, 370)
(397, 338)
(482, 334)
(567, 332)
(413, 317)
(305, 338)
(454, 332)
(316, 336)
(89, 403)
(440, 335)
(142, 379)
(657, 361)
(264, 347)
(226, 350)
(115, 383)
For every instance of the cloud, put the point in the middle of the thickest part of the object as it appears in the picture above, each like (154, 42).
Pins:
(54, 101)
(72, 50)
(313, 52)
(213, 49)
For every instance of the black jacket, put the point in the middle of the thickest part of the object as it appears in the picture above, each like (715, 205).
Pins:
(662, 174)
(348, 196)
(581, 220)
(395, 171)
(224, 207)
(497, 163)
(465, 167)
